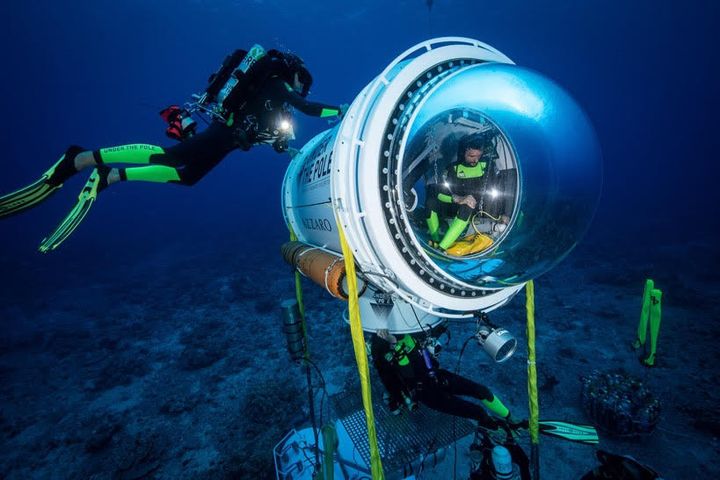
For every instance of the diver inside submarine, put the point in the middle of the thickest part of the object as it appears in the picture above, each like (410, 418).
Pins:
(460, 184)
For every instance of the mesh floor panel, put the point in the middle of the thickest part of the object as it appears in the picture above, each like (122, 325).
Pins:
(403, 438)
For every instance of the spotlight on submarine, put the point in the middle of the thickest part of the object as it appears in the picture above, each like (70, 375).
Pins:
(374, 171)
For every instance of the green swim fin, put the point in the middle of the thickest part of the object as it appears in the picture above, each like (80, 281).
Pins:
(29, 196)
(86, 199)
(49, 183)
(573, 432)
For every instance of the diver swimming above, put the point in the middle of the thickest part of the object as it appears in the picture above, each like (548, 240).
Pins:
(249, 101)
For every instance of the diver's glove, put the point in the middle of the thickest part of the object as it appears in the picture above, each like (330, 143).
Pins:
(515, 425)
(343, 110)
(180, 123)
(511, 425)
(488, 422)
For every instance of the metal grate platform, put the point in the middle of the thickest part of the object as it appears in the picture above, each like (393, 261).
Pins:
(402, 439)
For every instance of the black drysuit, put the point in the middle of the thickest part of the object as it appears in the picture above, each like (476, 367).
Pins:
(440, 390)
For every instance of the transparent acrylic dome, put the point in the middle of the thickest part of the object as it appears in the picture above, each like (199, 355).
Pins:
(533, 195)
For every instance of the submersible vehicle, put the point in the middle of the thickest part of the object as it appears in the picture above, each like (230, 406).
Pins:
(355, 199)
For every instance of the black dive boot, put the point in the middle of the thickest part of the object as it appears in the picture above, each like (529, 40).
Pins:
(103, 172)
(65, 168)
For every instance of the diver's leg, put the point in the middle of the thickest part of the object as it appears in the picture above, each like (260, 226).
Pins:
(458, 385)
(433, 222)
(457, 227)
(192, 159)
(185, 163)
(438, 399)
(160, 165)
(433, 206)
(134, 153)
(101, 177)
(150, 173)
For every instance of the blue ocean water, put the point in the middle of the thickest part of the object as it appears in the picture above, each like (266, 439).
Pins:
(155, 321)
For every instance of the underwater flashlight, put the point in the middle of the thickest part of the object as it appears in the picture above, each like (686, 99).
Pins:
(292, 325)
(494, 193)
(497, 342)
(284, 125)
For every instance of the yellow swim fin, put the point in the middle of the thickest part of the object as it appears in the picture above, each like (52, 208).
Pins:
(86, 199)
(29, 196)
(48, 183)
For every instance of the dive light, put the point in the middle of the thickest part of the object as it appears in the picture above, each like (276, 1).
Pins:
(497, 342)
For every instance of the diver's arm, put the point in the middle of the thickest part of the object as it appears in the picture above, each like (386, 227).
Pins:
(448, 197)
(445, 197)
(445, 194)
(314, 109)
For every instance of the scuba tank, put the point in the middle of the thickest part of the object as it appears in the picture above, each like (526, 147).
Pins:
(492, 459)
(226, 86)
(293, 329)
(239, 78)
(502, 463)
(430, 350)
(217, 80)
(241, 75)
(248, 61)
(428, 363)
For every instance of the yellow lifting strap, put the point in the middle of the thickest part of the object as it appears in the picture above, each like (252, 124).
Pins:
(533, 405)
(298, 282)
(360, 354)
(532, 368)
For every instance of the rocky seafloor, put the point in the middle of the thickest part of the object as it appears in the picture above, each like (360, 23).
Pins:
(173, 366)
